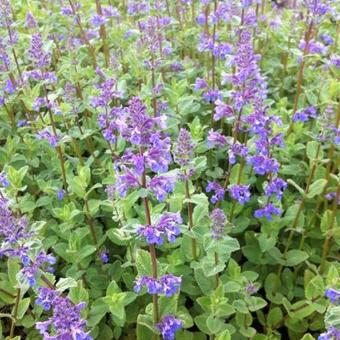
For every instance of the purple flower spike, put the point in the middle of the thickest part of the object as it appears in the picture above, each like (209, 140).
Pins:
(218, 189)
(168, 327)
(333, 295)
(268, 211)
(218, 220)
(240, 193)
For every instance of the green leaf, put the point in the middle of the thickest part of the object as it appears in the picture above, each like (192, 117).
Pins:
(255, 303)
(313, 150)
(225, 335)
(66, 283)
(143, 262)
(314, 288)
(85, 252)
(22, 307)
(274, 317)
(316, 188)
(295, 256)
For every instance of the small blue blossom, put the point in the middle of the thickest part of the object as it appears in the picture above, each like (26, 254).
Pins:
(168, 327)
(268, 211)
(240, 193)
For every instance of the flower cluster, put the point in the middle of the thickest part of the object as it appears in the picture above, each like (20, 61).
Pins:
(332, 332)
(168, 326)
(65, 322)
(218, 221)
(305, 115)
(218, 192)
(240, 192)
(167, 284)
(168, 225)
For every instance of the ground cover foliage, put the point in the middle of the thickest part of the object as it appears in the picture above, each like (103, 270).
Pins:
(169, 169)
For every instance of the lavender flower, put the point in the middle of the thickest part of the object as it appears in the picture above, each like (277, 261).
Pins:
(168, 327)
(240, 193)
(218, 189)
(268, 211)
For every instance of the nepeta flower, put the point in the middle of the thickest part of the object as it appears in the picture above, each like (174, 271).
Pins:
(331, 196)
(98, 20)
(167, 284)
(218, 189)
(183, 150)
(305, 114)
(251, 288)
(314, 47)
(240, 193)
(333, 295)
(65, 322)
(212, 95)
(263, 165)
(200, 84)
(168, 226)
(168, 327)
(30, 20)
(32, 267)
(48, 136)
(39, 58)
(327, 39)
(216, 139)
(218, 220)
(332, 333)
(237, 149)
(60, 194)
(161, 186)
(268, 211)
(104, 256)
(275, 186)
(3, 180)
(222, 110)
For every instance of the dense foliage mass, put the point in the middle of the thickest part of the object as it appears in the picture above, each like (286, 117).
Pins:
(169, 169)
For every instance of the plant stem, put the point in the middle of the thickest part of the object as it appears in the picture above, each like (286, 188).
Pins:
(103, 35)
(190, 218)
(90, 221)
(15, 313)
(7, 293)
(88, 44)
(58, 148)
(308, 37)
(329, 237)
(300, 210)
(152, 251)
